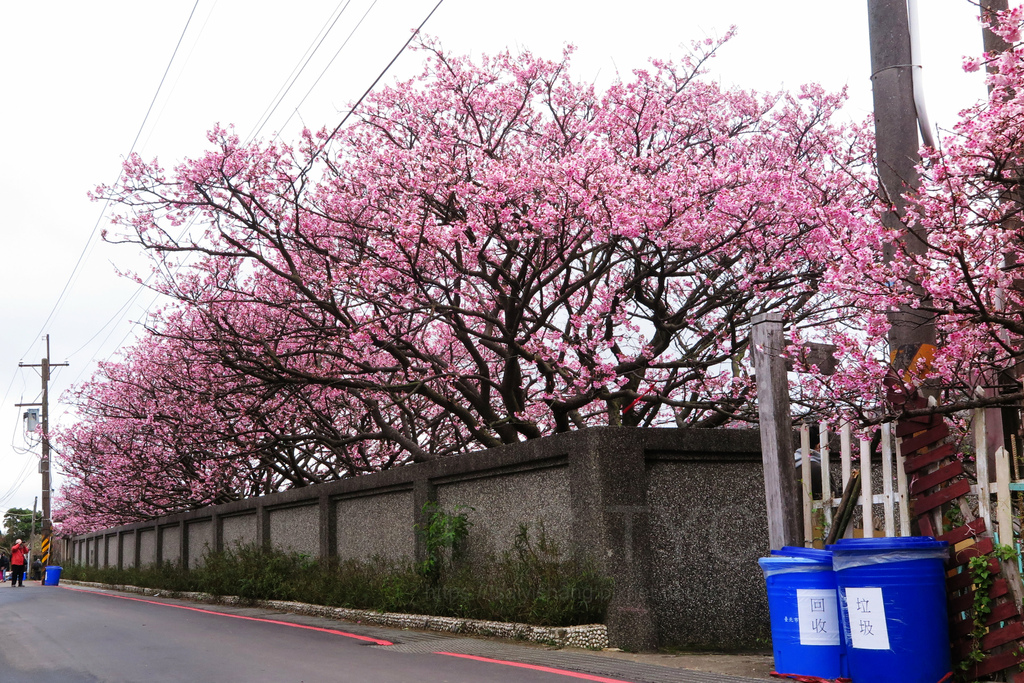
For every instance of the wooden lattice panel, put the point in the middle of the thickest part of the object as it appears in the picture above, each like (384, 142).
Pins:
(937, 479)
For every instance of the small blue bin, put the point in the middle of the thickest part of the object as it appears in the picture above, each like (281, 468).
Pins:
(803, 606)
(892, 593)
(51, 576)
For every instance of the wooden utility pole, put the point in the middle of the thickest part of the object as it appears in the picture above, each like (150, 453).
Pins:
(782, 495)
(44, 462)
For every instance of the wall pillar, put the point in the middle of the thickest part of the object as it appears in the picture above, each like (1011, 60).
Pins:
(138, 548)
(216, 533)
(328, 528)
(183, 545)
(608, 485)
(263, 526)
(423, 492)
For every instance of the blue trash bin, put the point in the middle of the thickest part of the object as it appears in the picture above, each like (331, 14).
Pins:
(51, 576)
(803, 608)
(892, 594)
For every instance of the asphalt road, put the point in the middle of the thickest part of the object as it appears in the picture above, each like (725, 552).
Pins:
(63, 635)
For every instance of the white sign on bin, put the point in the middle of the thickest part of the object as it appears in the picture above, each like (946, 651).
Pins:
(866, 613)
(819, 616)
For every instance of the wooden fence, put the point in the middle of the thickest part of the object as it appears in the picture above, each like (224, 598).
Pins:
(893, 500)
(819, 509)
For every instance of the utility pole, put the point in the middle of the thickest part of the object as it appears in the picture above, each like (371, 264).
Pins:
(44, 462)
(993, 42)
(892, 88)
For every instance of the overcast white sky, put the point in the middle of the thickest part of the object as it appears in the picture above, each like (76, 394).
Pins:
(77, 79)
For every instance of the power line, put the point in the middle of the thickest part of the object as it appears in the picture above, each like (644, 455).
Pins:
(376, 80)
(188, 58)
(322, 35)
(324, 71)
(272, 107)
(85, 249)
(297, 69)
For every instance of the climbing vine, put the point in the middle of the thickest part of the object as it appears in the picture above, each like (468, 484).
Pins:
(983, 578)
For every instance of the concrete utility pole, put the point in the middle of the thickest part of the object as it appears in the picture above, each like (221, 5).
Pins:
(896, 140)
(44, 462)
(993, 43)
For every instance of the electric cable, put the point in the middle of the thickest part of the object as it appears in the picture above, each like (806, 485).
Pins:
(188, 58)
(366, 93)
(376, 81)
(272, 107)
(324, 71)
(75, 272)
(297, 70)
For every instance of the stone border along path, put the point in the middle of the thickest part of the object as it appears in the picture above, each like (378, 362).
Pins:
(587, 637)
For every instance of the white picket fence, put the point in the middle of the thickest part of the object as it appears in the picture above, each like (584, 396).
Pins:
(1002, 486)
(818, 512)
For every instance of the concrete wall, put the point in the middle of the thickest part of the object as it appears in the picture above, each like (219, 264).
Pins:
(387, 517)
(238, 530)
(200, 541)
(147, 546)
(296, 529)
(676, 518)
(128, 550)
(501, 505)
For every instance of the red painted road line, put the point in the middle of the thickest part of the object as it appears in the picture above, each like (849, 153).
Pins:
(534, 667)
(375, 641)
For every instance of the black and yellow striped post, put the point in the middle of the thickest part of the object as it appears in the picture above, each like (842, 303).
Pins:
(46, 549)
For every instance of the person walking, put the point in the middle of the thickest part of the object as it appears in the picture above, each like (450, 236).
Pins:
(18, 553)
(5, 564)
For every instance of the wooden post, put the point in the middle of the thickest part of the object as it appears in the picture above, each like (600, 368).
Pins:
(780, 489)
(1004, 506)
(887, 475)
(867, 517)
(846, 454)
(981, 462)
(901, 483)
(826, 472)
(806, 480)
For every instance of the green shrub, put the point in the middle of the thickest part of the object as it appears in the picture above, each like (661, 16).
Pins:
(532, 583)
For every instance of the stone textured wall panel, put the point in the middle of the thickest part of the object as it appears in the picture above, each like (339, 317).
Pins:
(238, 530)
(376, 526)
(296, 529)
(200, 542)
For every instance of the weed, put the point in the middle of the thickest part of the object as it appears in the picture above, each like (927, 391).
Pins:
(531, 583)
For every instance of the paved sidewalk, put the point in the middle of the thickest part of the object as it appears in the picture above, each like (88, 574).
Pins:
(620, 666)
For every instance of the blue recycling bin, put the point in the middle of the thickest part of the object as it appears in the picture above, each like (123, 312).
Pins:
(51, 576)
(892, 594)
(803, 608)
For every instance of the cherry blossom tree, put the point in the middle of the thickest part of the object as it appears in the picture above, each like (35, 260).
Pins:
(968, 281)
(491, 253)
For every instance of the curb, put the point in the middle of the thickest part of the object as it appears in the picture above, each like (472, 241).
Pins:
(588, 636)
